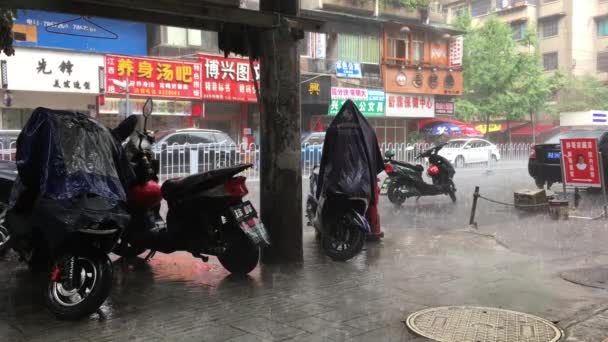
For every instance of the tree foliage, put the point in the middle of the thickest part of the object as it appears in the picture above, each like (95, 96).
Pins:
(7, 17)
(410, 4)
(581, 93)
(503, 78)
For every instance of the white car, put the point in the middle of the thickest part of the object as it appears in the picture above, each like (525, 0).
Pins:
(469, 151)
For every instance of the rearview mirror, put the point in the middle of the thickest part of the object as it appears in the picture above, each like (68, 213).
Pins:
(389, 154)
(148, 107)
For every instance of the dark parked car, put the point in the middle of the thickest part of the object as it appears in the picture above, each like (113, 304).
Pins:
(176, 150)
(544, 163)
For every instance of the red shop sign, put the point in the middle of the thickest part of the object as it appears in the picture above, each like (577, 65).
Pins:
(154, 77)
(580, 161)
(228, 79)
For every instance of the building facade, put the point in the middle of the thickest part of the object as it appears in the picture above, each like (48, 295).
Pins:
(396, 64)
(573, 35)
(59, 62)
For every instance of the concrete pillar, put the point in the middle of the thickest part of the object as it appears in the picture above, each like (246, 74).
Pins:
(280, 124)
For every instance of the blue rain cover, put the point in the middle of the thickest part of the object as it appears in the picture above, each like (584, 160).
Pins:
(62, 155)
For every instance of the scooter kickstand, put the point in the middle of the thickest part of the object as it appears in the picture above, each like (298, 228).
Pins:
(150, 255)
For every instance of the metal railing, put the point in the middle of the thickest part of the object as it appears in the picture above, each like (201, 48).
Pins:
(182, 160)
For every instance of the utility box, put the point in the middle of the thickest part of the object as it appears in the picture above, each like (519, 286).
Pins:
(530, 199)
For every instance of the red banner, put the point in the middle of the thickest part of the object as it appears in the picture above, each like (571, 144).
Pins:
(581, 162)
(153, 77)
(228, 79)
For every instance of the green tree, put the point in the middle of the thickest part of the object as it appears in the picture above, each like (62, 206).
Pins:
(502, 78)
(7, 17)
(491, 63)
(581, 93)
(532, 88)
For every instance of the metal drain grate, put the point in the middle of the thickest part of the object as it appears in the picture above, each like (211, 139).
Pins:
(477, 324)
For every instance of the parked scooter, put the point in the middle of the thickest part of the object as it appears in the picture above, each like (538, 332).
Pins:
(206, 212)
(405, 180)
(66, 240)
(343, 187)
(340, 224)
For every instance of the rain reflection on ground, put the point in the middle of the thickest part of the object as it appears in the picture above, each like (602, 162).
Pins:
(427, 259)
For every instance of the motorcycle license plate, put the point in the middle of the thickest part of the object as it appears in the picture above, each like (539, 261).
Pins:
(384, 188)
(247, 219)
(243, 212)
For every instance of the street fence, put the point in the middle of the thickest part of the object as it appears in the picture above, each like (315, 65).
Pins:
(182, 160)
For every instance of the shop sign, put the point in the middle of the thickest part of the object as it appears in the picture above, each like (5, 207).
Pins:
(580, 160)
(348, 69)
(228, 79)
(161, 107)
(153, 77)
(444, 107)
(410, 106)
(456, 48)
(494, 127)
(53, 71)
(67, 31)
(439, 53)
(369, 101)
(315, 90)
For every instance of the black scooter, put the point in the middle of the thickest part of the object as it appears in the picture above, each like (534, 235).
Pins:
(206, 213)
(405, 180)
(339, 221)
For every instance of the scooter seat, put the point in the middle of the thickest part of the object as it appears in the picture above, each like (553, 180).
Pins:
(181, 187)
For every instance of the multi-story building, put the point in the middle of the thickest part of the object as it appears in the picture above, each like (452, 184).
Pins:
(403, 71)
(573, 35)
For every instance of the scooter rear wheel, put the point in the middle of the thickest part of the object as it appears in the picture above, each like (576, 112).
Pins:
(343, 243)
(90, 286)
(241, 255)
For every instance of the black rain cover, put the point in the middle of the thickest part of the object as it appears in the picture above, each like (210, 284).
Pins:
(351, 158)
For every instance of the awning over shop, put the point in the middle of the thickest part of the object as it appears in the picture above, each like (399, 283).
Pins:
(539, 129)
(498, 126)
(448, 126)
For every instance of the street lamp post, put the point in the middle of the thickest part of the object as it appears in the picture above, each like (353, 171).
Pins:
(124, 85)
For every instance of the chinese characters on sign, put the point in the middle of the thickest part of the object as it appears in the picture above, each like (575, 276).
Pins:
(456, 47)
(410, 106)
(348, 69)
(580, 162)
(444, 108)
(154, 77)
(44, 70)
(370, 102)
(228, 79)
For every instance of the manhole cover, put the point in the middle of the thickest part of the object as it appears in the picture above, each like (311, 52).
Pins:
(476, 324)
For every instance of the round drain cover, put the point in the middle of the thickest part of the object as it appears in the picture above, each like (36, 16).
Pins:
(476, 324)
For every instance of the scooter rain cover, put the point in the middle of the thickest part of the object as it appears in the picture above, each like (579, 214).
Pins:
(73, 167)
(351, 158)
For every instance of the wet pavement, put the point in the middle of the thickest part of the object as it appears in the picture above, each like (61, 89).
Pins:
(514, 261)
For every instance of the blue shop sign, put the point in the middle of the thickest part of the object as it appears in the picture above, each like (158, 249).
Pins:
(348, 69)
(72, 32)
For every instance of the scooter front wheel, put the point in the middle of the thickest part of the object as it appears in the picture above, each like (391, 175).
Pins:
(78, 284)
(395, 194)
(452, 192)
